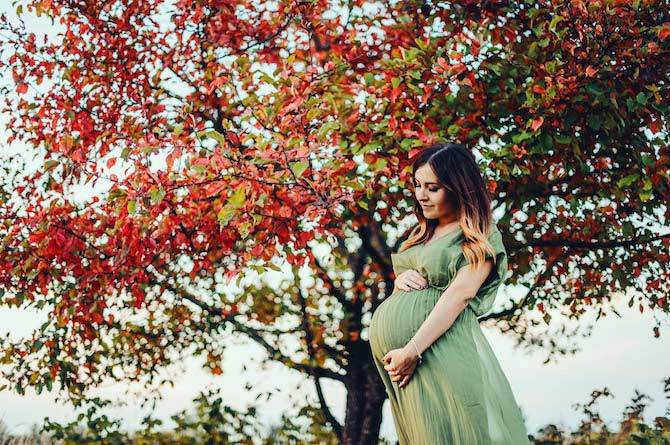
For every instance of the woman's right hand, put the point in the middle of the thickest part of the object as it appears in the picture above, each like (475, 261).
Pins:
(410, 280)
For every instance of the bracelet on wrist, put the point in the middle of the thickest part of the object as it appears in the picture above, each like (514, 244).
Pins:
(417, 350)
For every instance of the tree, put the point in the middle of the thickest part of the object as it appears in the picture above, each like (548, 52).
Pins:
(230, 134)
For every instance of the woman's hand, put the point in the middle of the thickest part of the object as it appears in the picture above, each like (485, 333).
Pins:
(410, 280)
(400, 364)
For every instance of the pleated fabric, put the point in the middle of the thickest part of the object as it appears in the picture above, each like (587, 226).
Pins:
(459, 395)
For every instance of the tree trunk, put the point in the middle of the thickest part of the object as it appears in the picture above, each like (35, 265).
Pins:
(365, 398)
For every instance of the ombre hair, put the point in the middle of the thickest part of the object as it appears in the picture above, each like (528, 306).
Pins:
(457, 171)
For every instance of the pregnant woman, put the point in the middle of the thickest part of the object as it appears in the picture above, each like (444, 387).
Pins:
(444, 382)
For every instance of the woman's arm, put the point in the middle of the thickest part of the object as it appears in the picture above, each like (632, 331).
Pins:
(452, 302)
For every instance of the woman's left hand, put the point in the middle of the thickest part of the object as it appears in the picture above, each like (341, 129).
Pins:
(400, 364)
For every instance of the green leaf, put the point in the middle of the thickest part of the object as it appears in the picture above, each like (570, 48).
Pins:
(648, 160)
(555, 21)
(594, 89)
(594, 122)
(244, 228)
(149, 148)
(645, 195)
(396, 82)
(628, 180)
(221, 139)
(326, 128)
(299, 167)
(225, 215)
(369, 78)
(641, 98)
(238, 198)
(563, 139)
(132, 206)
(260, 202)
(521, 137)
(372, 146)
(50, 164)
(157, 195)
(312, 113)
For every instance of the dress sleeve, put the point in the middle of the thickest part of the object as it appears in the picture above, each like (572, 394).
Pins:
(486, 295)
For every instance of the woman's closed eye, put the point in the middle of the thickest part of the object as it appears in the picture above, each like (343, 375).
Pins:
(430, 190)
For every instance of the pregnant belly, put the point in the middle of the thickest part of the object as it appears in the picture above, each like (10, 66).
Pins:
(397, 318)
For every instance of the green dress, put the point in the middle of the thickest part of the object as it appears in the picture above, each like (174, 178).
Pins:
(459, 395)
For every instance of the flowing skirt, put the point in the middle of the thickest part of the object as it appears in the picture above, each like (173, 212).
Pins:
(459, 395)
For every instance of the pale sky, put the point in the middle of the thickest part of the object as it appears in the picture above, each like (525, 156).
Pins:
(622, 354)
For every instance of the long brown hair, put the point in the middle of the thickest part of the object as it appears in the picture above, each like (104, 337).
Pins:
(457, 171)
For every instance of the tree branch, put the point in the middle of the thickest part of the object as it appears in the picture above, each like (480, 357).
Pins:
(334, 289)
(509, 313)
(256, 335)
(309, 339)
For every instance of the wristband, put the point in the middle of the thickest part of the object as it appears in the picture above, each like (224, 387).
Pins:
(417, 350)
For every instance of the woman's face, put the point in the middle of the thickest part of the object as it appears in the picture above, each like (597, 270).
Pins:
(431, 196)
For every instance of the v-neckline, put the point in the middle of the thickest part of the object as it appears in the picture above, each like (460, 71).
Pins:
(439, 238)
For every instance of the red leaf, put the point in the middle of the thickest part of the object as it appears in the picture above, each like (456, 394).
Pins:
(537, 123)
(216, 83)
(590, 71)
(443, 64)
(22, 88)
(664, 32)
(414, 152)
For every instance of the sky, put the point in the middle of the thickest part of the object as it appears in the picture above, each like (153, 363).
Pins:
(622, 354)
